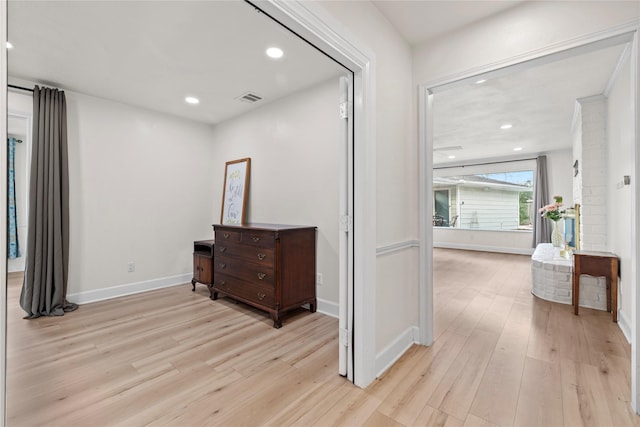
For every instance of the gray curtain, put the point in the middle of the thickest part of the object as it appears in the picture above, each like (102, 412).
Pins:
(44, 289)
(541, 227)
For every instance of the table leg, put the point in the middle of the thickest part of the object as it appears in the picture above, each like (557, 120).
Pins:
(614, 289)
(575, 291)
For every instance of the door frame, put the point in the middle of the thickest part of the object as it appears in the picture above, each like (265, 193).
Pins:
(623, 33)
(314, 24)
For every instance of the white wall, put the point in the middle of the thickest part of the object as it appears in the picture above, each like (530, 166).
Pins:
(396, 169)
(293, 144)
(139, 192)
(620, 157)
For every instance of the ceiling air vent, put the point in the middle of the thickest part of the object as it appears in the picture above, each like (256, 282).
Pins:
(249, 97)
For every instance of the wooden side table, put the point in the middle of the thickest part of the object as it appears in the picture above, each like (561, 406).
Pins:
(596, 264)
(202, 263)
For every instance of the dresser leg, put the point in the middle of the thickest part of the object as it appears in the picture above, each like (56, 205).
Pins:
(277, 322)
(313, 306)
(214, 295)
(193, 284)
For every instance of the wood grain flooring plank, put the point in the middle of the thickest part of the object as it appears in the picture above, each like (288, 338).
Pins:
(455, 393)
(406, 400)
(540, 397)
(497, 396)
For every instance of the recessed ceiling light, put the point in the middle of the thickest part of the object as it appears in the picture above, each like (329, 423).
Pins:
(9, 45)
(517, 149)
(192, 100)
(452, 157)
(506, 126)
(480, 81)
(274, 52)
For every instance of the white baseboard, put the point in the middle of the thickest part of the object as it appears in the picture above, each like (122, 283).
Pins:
(623, 324)
(128, 289)
(328, 307)
(387, 357)
(502, 250)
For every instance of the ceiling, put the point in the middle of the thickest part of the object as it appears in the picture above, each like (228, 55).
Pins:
(420, 21)
(153, 54)
(538, 102)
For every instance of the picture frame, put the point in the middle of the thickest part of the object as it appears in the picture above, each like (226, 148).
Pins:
(235, 192)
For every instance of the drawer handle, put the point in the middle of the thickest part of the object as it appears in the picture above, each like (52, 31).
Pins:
(226, 235)
(256, 239)
(261, 296)
(261, 276)
(223, 249)
(261, 256)
(222, 265)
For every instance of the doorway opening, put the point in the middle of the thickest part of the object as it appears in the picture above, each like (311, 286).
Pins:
(428, 105)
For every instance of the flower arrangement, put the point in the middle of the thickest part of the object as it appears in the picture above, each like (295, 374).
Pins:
(552, 210)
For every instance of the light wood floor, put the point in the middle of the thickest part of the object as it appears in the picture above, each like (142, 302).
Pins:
(174, 357)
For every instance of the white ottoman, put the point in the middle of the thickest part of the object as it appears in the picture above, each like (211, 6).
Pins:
(551, 277)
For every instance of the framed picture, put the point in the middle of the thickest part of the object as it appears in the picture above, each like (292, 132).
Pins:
(236, 191)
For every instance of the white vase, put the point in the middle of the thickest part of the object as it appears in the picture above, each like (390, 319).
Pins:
(556, 236)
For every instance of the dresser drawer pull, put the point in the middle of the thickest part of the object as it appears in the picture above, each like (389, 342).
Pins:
(261, 256)
(261, 276)
(222, 248)
(226, 235)
(256, 239)
(222, 265)
(261, 296)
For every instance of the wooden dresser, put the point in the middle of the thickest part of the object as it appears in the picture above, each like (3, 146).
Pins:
(271, 267)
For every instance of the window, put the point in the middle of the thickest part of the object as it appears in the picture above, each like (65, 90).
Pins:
(496, 200)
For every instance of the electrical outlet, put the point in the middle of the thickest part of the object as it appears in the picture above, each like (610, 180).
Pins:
(319, 279)
(131, 267)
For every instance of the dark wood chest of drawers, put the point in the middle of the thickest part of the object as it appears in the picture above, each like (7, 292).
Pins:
(271, 267)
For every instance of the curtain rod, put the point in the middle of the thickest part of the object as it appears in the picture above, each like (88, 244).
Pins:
(20, 88)
(485, 163)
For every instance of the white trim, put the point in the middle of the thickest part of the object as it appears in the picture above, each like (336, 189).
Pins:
(624, 56)
(577, 113)
(394, 351)
(329, 308)
(482, 248)
(591, 98)
(3, 208)
(425, 209)
(130, 289)
(624, 325)
(555, 52)
(397, 247)
(317, 26)
(635, 226)
(609, 37)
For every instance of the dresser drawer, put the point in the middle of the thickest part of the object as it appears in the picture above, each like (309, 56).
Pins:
(258, 273)
(261, 238)
(262, 256)
(259, 294)
(227, 236)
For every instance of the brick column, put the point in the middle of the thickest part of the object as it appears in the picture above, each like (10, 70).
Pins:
(592, 176)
